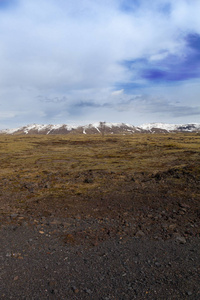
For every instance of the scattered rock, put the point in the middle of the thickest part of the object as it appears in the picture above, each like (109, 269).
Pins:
(139, 234)
(88, 180)
(47, 186)
(181, 239)
(183, 205)
(75, 289)
(13, 216)
(189, 293)
(150, 216)
(157, 264)
(172, 227)
(88, 291)
(69, 238)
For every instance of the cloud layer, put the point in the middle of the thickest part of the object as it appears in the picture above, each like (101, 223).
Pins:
(81, 61)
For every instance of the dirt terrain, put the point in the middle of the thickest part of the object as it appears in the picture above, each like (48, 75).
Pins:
(91, 217)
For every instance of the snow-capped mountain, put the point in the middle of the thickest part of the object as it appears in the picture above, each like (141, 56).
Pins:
(95, 128)
(171, 127)
(103, 128)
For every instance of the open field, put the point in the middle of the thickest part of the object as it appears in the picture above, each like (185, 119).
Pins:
(46, 173)
(87, 190)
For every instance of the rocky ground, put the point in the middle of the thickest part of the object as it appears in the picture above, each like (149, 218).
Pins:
(37, 264)
(136, 237)
(92, 217)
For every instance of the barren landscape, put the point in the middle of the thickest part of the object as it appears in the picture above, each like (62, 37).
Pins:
(100, 217)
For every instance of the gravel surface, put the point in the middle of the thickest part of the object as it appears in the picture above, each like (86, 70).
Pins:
(39, 260)
(136, 236)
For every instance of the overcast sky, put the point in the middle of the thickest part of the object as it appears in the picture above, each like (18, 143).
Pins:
(81, 61)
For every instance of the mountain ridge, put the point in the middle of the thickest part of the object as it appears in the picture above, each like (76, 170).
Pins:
(102, 128)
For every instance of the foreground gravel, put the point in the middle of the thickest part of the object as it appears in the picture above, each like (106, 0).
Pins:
(136, 236)
(39, 262)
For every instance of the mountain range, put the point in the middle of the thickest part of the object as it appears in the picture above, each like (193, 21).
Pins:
(103, 128)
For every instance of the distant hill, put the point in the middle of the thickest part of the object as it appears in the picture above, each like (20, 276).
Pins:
(103, 128)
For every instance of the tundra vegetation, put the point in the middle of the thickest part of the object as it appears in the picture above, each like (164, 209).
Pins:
(94, 176)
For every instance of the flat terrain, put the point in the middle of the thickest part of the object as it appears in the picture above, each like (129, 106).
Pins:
(93, 217)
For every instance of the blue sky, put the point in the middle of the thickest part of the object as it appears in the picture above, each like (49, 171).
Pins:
(81, 61)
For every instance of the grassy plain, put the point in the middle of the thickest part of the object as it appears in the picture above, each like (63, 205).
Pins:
(73, 173)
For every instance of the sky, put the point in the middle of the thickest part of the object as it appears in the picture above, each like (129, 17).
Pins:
(83, 61)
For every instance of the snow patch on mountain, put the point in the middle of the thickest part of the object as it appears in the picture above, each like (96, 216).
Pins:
(101, 127)
(171, 127)
(150, 126)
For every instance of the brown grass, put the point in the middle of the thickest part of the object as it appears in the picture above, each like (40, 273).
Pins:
(66, 167)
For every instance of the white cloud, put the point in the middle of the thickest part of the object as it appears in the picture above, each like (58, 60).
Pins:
(75, 49)
(7, 114)
(185, 15)
(117, 93)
